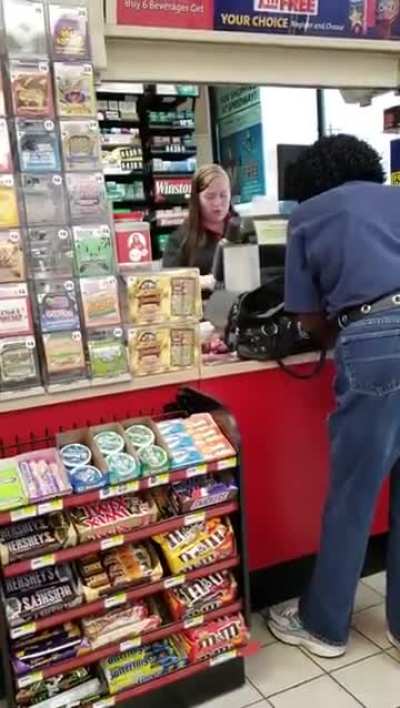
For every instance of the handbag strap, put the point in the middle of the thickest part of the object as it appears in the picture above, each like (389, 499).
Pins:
(294, 374)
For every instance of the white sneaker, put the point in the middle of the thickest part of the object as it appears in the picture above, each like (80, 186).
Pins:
(285, 625)
(393, 640)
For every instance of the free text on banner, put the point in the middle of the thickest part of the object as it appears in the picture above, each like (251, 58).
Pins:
(359, 19)
(363, 19)
(184, 14)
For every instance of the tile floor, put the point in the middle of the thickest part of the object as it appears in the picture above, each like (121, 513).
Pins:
(368, 675)
(280, 676)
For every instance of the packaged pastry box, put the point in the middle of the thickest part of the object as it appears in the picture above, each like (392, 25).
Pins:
(156, 349)
(164, 296)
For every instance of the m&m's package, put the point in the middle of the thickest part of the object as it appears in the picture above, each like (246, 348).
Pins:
(141, 665)
(201, 595)
(197, 545)
(216, 637)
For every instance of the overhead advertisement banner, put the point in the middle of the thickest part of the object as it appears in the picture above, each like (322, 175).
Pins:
(359, 19)
(183, 14)
(363, 19)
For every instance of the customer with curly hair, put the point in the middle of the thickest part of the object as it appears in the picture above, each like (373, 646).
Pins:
(343, 272)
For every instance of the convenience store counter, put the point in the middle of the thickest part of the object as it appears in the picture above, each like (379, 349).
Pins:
(283, 426)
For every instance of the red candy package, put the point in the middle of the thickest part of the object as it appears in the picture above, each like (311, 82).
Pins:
(216, 637)
(202, 595)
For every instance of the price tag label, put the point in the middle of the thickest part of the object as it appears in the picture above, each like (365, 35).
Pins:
(174, 582)
(193, 622)
(196, 518)
(105, 703)
(196, 471)
(223, 657)
(158, 480)
(29, 679)
(133, 486)
(115, 600)
(130, 644)
(227, 464)
(43, 561)
(111, 542)
(24, 630)
(53, 505)
(25, 513)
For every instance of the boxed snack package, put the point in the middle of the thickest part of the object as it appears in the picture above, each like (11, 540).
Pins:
(195, 439)
(31, 89)
(149, 350)
(198, 544)
(44, 198)
(37, 145)
(87, 196)
(113, 516)
(131, 620)
(13, 492)
(9, 213)
(19, 367)
(81, 148)
(34, 537)
(202, 595)
(216, 637)
(94, 254)
(40, 593)
(47, 647)
(50, 689)
(141, 665)
(75, 94)
(147, 298)
(50, 252)
(133, 243)
(12, 260)
(57, 305)
(107, 353)
(25, 28)
(118, 568)
(200, 492)
(64, 356)
(69, 31)
(5, 150)
(15, 310)
(100, 302)
(43, 474)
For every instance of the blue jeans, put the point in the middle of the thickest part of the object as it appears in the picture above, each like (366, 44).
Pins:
(365, 449)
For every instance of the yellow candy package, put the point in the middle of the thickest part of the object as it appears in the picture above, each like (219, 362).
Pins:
(9, 217)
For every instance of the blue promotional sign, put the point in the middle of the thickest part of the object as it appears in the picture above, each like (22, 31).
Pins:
(362, 19)
(241, 141)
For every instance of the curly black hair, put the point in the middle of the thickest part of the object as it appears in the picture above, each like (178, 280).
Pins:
(330, 162)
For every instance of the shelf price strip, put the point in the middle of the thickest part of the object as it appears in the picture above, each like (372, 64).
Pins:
(92, 657)
(121, 598)
(74, 500)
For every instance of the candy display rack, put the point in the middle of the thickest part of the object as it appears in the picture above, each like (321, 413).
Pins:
(225, 671)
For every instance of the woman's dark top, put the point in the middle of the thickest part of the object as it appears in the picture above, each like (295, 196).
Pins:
(175, 256)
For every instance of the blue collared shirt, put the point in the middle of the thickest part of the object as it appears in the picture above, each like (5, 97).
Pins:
(343, 248)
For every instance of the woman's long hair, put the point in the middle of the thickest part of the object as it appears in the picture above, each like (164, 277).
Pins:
(196, 236)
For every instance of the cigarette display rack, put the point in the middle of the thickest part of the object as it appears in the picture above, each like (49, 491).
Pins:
(222, 671)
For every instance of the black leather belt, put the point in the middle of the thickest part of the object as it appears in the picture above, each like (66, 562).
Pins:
(388, 302)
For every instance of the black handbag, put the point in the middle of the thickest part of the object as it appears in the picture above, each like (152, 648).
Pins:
(259, 328)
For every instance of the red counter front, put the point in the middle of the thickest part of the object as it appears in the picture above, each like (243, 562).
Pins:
(283, 426)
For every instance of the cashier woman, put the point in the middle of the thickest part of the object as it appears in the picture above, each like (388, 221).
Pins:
(211, 218)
